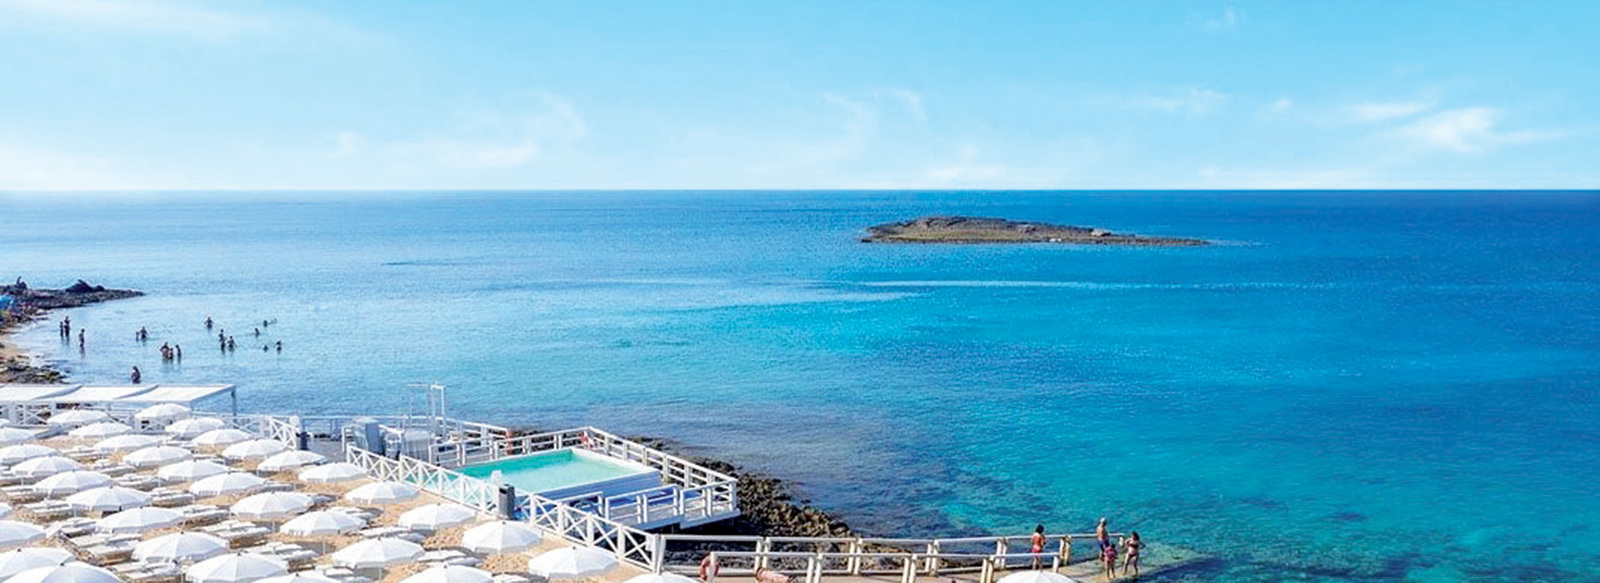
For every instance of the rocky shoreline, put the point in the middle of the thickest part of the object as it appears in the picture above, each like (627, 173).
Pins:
(982, 230)
(28, 304)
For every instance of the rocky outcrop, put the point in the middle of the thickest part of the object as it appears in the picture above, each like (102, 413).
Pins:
(30, 303)
(957, 229)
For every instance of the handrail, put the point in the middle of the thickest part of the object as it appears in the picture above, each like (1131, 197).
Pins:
(856, 563)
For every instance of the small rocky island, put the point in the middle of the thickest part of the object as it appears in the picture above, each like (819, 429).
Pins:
(994, 230)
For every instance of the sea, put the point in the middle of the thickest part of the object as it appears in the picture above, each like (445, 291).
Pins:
(1345, 386)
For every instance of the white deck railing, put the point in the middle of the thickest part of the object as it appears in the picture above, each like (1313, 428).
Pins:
(813, 557)
(698, 494)
(629, 544)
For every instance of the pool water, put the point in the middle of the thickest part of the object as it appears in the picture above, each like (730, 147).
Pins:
(569, 472)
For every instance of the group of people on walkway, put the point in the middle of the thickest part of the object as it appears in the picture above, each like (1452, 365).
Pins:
(1128, 547)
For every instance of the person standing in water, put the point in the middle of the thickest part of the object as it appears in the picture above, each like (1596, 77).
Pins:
(177, 349)
(280, 347)
(80, 338)
(208, 322)
(135, 377)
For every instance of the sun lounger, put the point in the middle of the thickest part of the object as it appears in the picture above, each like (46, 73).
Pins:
(21, 494)
(48, 510)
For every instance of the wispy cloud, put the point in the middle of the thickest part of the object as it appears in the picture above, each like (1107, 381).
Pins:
(1226, 20)
(911, 100)
(1378, 111)
(1194, 101)
(1470, 129)
(161, 16)
(482, 140)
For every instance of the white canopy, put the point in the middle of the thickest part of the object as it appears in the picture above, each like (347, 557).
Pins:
(1036, 577)
(162, 412)
(12, 454)
(70, 482)
(501, 536)
(377, 553)
(382, 493)
(254, 449)
(572, 563)
(139, 520)
(224, 436)
(180, 547)
(661, 578)
(450, 574)
(100, 430)
(301, 577)
(77, 417)
(290, 460)
(156, 455)
(15, 534)
(126, 442)
(67, 573)
(223, 484)
(186, 471)
(334, 472)
(13, 435)
(19, 560)
(194, 426)
(49, 465)
(108, 499)
(235, 568)
(322, 523)
(437, 516)
(271, 506)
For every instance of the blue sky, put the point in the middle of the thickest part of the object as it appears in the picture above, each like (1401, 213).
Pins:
(172, 94)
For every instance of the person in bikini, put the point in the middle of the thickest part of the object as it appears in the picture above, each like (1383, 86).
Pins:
(1036, 545)
(1131, 558)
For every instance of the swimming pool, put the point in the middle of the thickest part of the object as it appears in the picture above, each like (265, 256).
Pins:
(569, 472)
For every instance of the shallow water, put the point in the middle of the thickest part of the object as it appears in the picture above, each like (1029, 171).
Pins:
(1355, 386)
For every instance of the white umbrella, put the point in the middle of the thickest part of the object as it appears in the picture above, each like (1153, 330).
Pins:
(49, 465)
(70, 482)
(156, 455)
(187, 471)
(235, 568)
(382, 493)
(16, 534)
(139, 520)
(322, 523)
(126, 443)
(190, 428)
(301, 577)
(180, 547)
(162, 412)
(290, 460)
(68, 573)
(254, 449)
(12, 454)
(334, 472)
(501, 536)
(100, 430)
(450, 574)
(217, 437)
(108, 499)
(572, 563)
(19, 560)
(377, 553)
(223, 484)
(12, 435)
(77, 417)
(437, 516)
(661, 578)
(1036, 577)
(271, 506)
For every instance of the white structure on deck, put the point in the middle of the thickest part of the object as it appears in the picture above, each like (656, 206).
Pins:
(33, 404)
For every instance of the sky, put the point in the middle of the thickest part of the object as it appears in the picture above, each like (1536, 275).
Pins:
(814, 94)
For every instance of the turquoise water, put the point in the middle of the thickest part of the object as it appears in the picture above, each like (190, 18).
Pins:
(1352, 387)
(555, 470)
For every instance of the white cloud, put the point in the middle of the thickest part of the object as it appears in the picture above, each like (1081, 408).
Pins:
(1377, 111)
(162, 16)
(911, 100)
(483, 140)
(1470, 129)
(1195, 101)
(1227, 20)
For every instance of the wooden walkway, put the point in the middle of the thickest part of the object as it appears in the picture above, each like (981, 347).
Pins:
(1156, 559)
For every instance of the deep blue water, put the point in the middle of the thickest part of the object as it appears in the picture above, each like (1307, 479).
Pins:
(1352, 386)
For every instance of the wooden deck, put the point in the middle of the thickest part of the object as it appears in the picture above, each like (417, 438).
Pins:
(1156, 559)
